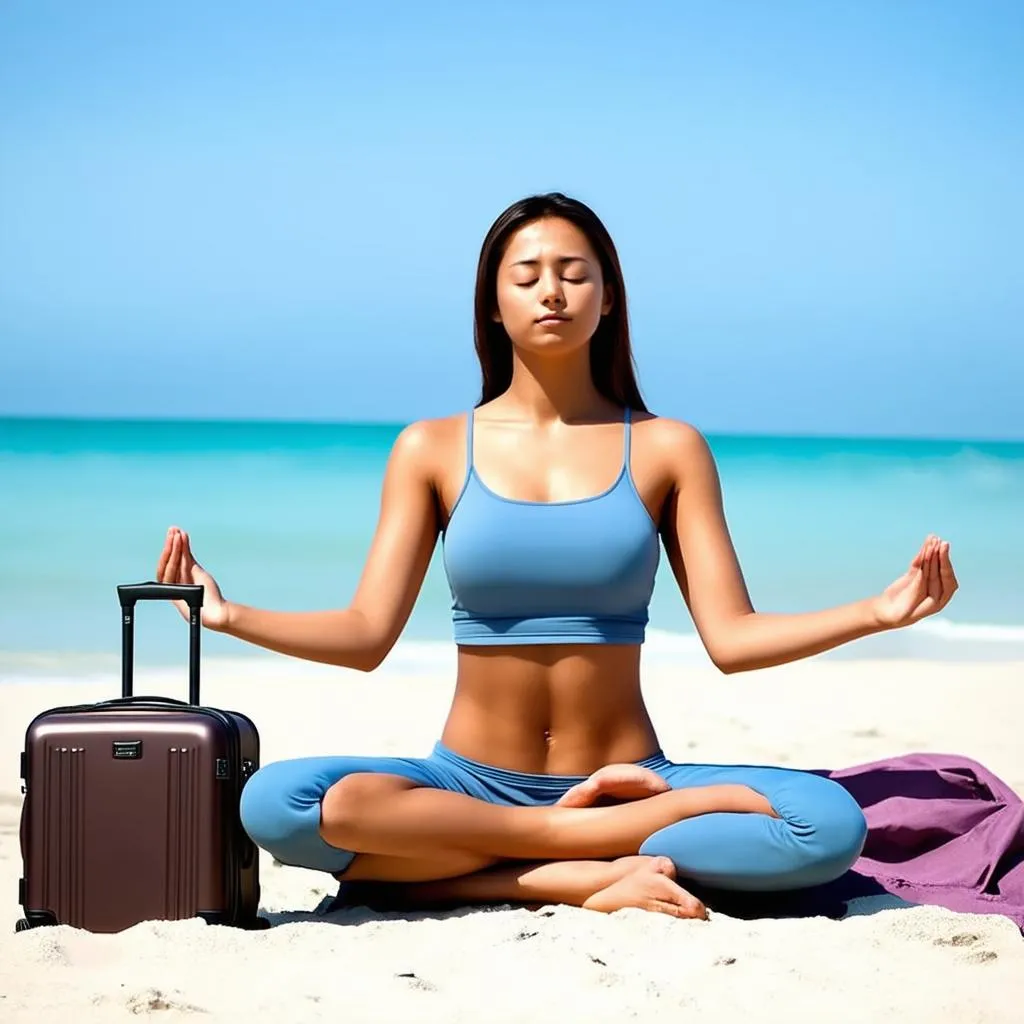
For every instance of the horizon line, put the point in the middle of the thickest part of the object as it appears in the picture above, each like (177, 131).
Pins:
(399, 424)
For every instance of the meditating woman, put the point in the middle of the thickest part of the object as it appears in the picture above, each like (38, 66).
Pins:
(552, 497)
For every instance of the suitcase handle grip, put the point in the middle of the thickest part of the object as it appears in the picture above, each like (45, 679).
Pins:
(190, 593)
(128, 594)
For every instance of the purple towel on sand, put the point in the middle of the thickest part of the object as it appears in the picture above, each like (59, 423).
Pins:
(942, 830)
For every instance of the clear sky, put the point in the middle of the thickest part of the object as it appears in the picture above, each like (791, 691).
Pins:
(275, 210)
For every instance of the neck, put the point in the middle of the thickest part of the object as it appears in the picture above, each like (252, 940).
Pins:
(546, 389)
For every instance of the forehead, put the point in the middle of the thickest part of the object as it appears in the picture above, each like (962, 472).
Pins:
(551, 237)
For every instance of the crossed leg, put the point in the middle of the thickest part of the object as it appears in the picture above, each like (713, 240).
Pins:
(455, 875)
(394, 823)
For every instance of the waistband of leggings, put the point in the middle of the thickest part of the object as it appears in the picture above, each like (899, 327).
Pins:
(507, 775)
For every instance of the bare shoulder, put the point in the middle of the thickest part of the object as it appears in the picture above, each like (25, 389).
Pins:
(677, 445)
(428, 444)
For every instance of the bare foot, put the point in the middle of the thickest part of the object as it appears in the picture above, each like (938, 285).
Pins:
(618, 781)
(651, 886)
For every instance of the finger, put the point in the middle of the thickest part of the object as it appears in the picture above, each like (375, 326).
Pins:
(934, 576)
(165, 554)
(918, 559)
(188, 559)
(193, 562)
(946, 573)
(916, 595)
(171, 561)
(926, 549)
(926, 583)
(180, 576)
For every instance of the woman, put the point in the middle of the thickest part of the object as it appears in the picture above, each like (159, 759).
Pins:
(551, 496)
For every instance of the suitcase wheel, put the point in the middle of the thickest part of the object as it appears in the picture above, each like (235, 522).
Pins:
(23, 925)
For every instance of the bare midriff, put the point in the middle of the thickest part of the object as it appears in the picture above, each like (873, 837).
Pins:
(550, 710)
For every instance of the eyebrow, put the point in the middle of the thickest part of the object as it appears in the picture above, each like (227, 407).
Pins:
(561, 259)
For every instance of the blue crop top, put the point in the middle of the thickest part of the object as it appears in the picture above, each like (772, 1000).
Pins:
(560, 572)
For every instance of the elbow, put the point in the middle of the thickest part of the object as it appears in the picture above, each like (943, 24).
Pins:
(368, 659)
(720, 655)
(369, 643)
(726, 666)
(372, 652)
(730, 651)
(731, 665)
(728, 661)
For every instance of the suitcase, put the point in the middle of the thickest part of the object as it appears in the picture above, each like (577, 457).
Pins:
(131, 809)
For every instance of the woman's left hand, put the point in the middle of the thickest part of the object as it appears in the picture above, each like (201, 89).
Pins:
(924, 589)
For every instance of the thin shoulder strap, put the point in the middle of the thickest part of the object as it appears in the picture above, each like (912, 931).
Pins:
(469, 440)
(626, 442)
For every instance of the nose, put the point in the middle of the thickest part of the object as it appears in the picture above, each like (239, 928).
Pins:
(551, 293)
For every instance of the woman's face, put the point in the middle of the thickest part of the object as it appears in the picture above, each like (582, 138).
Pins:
(551, 293)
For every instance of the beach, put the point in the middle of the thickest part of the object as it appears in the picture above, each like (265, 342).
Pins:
(283, 516)
(563, 964)
(246, 249)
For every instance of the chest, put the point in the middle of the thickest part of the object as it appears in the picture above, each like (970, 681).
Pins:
(573, 465)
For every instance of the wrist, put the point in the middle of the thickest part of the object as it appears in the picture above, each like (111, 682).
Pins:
(874, 619)
(227, 619)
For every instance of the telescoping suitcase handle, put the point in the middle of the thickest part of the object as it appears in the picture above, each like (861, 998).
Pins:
(128, 594)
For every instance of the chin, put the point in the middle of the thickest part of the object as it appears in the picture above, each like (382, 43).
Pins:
(551, 343)
(564, 338)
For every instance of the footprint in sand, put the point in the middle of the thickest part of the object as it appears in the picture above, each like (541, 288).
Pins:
(960, 939)
(966, 939)
(151, 1000)
(983, 956)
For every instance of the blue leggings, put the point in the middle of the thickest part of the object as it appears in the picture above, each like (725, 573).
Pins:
(819, 834)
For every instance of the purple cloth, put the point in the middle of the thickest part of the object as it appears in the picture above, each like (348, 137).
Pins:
(942, 829)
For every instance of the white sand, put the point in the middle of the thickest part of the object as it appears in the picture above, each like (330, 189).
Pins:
(559, 964)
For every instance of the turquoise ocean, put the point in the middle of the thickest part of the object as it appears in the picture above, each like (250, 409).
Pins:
(282, 514)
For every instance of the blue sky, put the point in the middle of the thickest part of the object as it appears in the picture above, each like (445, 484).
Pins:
(275, 210)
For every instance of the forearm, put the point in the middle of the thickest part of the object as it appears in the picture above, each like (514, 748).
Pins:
(761, 640)
(340, 637)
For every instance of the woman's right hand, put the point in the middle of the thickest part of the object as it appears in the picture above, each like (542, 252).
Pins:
(177, 565)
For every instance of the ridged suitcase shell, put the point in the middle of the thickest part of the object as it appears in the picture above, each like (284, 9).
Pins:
(131, 814)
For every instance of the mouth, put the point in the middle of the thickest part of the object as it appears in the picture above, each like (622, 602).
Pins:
(553, 318)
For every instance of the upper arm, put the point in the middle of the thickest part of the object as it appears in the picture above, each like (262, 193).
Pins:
(696, 537)
(406, 533)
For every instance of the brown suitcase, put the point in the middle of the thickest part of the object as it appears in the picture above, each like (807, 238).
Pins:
(131, 805)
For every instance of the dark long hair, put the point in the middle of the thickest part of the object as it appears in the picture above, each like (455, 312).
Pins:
(611, 357)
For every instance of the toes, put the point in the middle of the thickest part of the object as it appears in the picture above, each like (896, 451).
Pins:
(579, 796)
(694, 911)
(686, 904)
(663, 866)
(689, 907)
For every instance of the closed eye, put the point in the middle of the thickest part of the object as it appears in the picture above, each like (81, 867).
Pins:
(568, 280)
